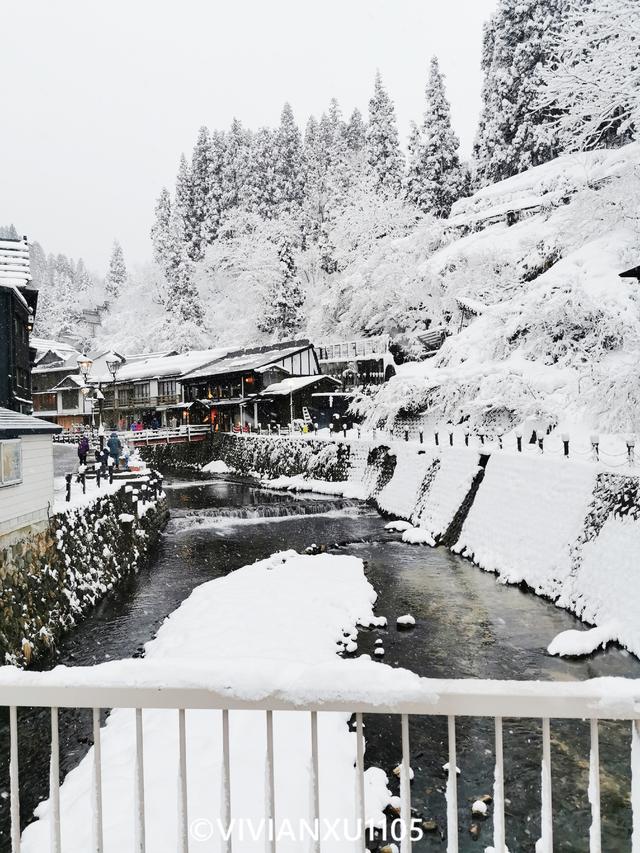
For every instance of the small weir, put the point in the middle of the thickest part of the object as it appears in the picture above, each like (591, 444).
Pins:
(467, 626)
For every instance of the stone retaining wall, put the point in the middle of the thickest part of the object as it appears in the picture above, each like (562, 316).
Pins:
(50, 579)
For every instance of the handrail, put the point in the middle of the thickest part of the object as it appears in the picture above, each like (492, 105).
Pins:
(145, 684)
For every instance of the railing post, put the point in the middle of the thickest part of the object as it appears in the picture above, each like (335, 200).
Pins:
(519, 441)
(565, 444)
(595, 830)
(546, 818)
(405, 788)
(452, 790)
(595, 447)
(140, 834)
(67, 478)
(437, 438)
(360, 798)
(14, 776)
(631, 444)
(421, 436)
(466, 439)
(315, 781)
(97, 784)
(499, 845)
(451, 438)
(183, 811)
(270, 787)
(406, 435)
(54, 784)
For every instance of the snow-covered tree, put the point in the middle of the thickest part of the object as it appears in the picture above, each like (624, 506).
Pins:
(282, 316)
(592, 82)
(117, 273)
(435, 176)
(383, 149)
(213, 214)
(260, 192)
(160, 230)
(356, 131)
(200, 190)
(9, 232)
(289, 164)
(235, 166)
(82, 279)
(183, 205)
(514, 133)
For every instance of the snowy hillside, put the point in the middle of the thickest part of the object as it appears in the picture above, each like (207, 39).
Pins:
(554, 333)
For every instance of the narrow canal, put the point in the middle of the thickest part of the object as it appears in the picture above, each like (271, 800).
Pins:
(467, 626)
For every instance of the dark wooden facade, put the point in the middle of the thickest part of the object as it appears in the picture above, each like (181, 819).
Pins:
(17, 307)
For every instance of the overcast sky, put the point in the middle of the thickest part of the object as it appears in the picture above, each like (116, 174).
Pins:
(100, 99)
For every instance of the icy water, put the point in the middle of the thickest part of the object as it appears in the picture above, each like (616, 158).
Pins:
(467, 626)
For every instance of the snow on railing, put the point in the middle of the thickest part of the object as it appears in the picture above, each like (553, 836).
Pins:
(137, 687)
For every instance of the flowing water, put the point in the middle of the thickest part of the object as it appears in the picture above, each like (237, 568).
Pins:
(467, 626)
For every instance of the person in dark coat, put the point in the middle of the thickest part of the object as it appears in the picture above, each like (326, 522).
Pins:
(115, 448)
(83, 449)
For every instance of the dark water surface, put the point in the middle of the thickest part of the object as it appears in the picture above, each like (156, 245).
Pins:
(467, 626)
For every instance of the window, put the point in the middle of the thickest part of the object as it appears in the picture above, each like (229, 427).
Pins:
(45, 402)
(142, 391)
(10, 462)
(166, 388)
(70, 399)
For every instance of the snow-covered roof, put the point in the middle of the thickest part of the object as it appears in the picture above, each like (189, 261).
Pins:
(72, 379)
(14, 262)
(153, 366)
(46, 345)
(296, 383)
(14, 424)
(241, 360)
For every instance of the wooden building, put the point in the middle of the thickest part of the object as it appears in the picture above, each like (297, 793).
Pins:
(231, 387)
(17, 311)
(26, 472)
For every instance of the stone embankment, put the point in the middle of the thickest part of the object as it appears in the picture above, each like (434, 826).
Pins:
(49, 580)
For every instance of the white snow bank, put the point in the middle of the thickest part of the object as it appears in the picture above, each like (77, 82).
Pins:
(398, 526)
(576, 643)
(526, 517)
(418, 536)
(343, 488)
(450, 485)
(293, 608)
(605, 588)
(400, 494)
(218, 466)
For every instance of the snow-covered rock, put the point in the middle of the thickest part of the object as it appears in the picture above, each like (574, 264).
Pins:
(577, 643)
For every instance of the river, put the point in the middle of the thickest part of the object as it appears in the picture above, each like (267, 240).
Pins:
(467, 625)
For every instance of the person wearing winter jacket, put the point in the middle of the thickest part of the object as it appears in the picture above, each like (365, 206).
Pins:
(115, 448)
(83, 449)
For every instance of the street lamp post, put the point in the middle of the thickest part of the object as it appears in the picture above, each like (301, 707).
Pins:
(84, 366)
(114, 363)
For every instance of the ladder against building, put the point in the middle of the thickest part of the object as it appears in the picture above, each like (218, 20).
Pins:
(306, 417)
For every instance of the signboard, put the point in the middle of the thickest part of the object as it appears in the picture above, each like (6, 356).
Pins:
(10, 462)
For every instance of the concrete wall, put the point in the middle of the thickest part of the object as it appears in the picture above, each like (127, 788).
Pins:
(28, 502)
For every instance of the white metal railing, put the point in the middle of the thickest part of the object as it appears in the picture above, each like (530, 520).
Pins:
(166, 434)
(610, 699)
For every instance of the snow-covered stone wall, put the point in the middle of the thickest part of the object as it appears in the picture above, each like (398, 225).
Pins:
(50, 580)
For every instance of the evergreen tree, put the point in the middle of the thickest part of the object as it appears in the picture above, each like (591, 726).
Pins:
(356, 132)
(235, 164)
(160, 230)
(183, 206)
(117, 273)
(289, 164)
(383, 149)
(200, 189)
(284, 300)
(435, 176)
(82, 279)
(514, 134)
(260, 193)
(182, 299)
(213, 213)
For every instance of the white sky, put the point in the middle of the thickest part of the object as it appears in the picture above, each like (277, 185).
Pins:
(100, 99)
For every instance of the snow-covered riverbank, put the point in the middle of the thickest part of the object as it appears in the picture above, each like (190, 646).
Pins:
(270, 625)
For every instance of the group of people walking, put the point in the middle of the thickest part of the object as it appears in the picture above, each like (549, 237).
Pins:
(111, 454)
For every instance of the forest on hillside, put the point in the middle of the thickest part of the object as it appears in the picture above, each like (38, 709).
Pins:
(282, 231)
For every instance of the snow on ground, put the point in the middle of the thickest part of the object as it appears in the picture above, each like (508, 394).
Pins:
(558, 336)
(269, 626)
(577, 643)
(78, 499)
(218, 466)
(345, 489)
(526, 517)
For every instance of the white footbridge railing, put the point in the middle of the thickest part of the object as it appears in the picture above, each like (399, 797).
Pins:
(599, 699)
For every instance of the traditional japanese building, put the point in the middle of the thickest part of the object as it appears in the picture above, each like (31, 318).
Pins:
(234, 388)
(18, 302)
